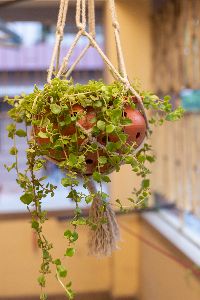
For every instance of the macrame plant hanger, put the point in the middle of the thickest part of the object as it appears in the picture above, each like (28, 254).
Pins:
(103, 240)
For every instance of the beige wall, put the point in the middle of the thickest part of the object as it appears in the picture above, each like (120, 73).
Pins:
(161, 278)
(135, 27)
(20, 260)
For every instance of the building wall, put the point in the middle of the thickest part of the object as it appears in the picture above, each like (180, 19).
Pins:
(135, 26)
(20, 260)
(161, 277)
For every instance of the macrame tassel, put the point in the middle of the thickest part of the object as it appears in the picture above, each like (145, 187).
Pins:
(103, 239)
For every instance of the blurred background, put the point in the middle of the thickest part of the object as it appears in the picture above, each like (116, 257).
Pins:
(159, 253)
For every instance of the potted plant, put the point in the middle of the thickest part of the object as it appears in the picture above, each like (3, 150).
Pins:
(88, 131)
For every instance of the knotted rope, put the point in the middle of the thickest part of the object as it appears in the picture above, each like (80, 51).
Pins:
(103, 240)
(59, 36)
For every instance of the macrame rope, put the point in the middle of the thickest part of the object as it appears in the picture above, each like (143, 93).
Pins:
(67, 57)
(91, 17)
(116, 27)
(103, 239)
(59, 36)
(81, 14)
(104, 57)
(81, 55)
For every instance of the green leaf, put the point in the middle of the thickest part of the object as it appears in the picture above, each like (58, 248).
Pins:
(30, 150)
(13, 151)
(41, 280)
(145, 183)
(21, 133)
(11, 130)
(126, 121)
(45, 254)
(55, 108)
(110, 128)
(27, 198)
(74, 237)
(42, 135)
(70, 252)
(57, 262)
(71, 236)
(68, 233)
(69, 284)
(105, 178)
(9, 168)
(80, 221)
(62, 272)
(97, 177)
(73, 194)
(74, 138)
(102, 160)
(104, 196)
(141, 158)
(111, 146)
(66, 181)
(35, 225)
(167, 98)
(150, 158)
(101, 125)
(72, 159)
(116, 114)
(11, 127)
(68, 120)
(97, 103)
(89, 198)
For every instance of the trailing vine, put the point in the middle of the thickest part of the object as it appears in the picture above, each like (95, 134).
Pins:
(72, 125)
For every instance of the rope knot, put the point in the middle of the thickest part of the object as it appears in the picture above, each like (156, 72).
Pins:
(81, 27)
(116, 25)
(59, 32)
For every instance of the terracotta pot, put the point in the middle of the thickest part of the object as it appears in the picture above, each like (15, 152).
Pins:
(91, 160)
(86, 121)
(137, 129)
(104, 138)
(135, 134)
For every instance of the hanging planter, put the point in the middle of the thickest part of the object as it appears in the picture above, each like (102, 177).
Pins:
(87, 121)
(88, 131)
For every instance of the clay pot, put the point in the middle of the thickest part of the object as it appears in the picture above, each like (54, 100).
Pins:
(104, 138)
(135, 134)
(85, 122)
(137, 129)
(91, 161)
